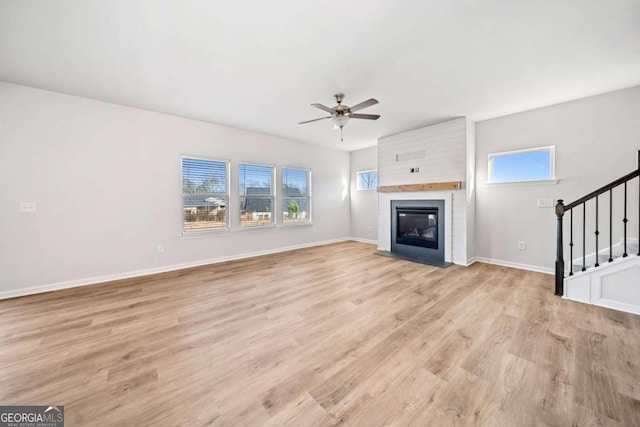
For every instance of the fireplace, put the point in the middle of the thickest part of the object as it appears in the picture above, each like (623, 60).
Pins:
(417, 230)
(417, 227)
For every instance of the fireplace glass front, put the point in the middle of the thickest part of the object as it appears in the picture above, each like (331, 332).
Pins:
(417, 227)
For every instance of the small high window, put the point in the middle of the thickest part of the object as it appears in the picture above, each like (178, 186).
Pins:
(367, 180)
(534, 164)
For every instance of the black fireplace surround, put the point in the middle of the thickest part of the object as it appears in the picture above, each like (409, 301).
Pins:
(417, 230)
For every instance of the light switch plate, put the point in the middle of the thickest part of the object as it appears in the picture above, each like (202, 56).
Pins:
(545, 203)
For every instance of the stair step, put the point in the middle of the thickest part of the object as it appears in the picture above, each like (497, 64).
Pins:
(602, 260)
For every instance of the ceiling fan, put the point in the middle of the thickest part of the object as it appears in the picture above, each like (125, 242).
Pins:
(340, 114)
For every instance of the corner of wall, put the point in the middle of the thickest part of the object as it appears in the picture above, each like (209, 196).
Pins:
(471, 189)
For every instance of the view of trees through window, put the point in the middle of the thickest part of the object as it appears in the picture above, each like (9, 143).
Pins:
(295, 196)
(367, 180)
(204, 194)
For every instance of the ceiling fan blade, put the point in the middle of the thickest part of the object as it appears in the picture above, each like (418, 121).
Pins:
(365, 104)
(315, 120)
(365, 116)
(323, 108)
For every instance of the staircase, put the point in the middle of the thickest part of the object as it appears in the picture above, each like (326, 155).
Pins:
(603, 258)
(614, 284)
(609, 275)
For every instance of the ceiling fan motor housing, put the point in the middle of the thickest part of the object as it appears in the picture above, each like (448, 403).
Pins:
(341, 109)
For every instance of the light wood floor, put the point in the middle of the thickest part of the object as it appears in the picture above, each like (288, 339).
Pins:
(332, 335)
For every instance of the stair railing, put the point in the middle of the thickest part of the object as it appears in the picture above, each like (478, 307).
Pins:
(561, 209)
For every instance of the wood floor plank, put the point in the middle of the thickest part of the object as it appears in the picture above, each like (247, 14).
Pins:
(323, 336)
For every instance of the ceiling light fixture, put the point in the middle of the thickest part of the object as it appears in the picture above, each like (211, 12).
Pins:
(340, 114)
(340, 122)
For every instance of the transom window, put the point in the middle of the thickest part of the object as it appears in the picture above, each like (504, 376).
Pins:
(367, 180)
(296, 196)
(205, 194)
(256, 195)
(534, 164)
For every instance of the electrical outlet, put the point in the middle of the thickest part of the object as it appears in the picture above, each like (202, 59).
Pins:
(522, 246)
(370, 229)
(545, 203)
(160, 249)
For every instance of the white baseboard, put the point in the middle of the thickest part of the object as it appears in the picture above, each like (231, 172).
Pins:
(529, 267)
(358, 239)
(148, 271)
(618, 305)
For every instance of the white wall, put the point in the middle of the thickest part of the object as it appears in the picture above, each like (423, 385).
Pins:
(106, 180)
(596, 141)
(364, 204)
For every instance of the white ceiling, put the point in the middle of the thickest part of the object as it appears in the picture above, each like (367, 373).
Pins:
(259, 64)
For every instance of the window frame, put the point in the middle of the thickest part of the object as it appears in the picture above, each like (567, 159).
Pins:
(309, 219)
(272, 197)
(226, 196)
(358, 173)
(552, 166)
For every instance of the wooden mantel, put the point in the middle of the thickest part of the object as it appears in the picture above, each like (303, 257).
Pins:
(430, 186)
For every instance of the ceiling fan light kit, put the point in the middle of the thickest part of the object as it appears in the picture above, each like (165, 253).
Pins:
(340, 114)
(340, 121)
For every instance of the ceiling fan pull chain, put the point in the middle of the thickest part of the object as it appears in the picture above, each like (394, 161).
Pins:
(341, 140)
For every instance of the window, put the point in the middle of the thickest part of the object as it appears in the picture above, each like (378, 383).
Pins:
(367, 180)
(205, 195)
(535, 164)
(256, 195)
(296, 196)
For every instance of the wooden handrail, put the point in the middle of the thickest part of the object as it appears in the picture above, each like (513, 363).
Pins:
(603, 189)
